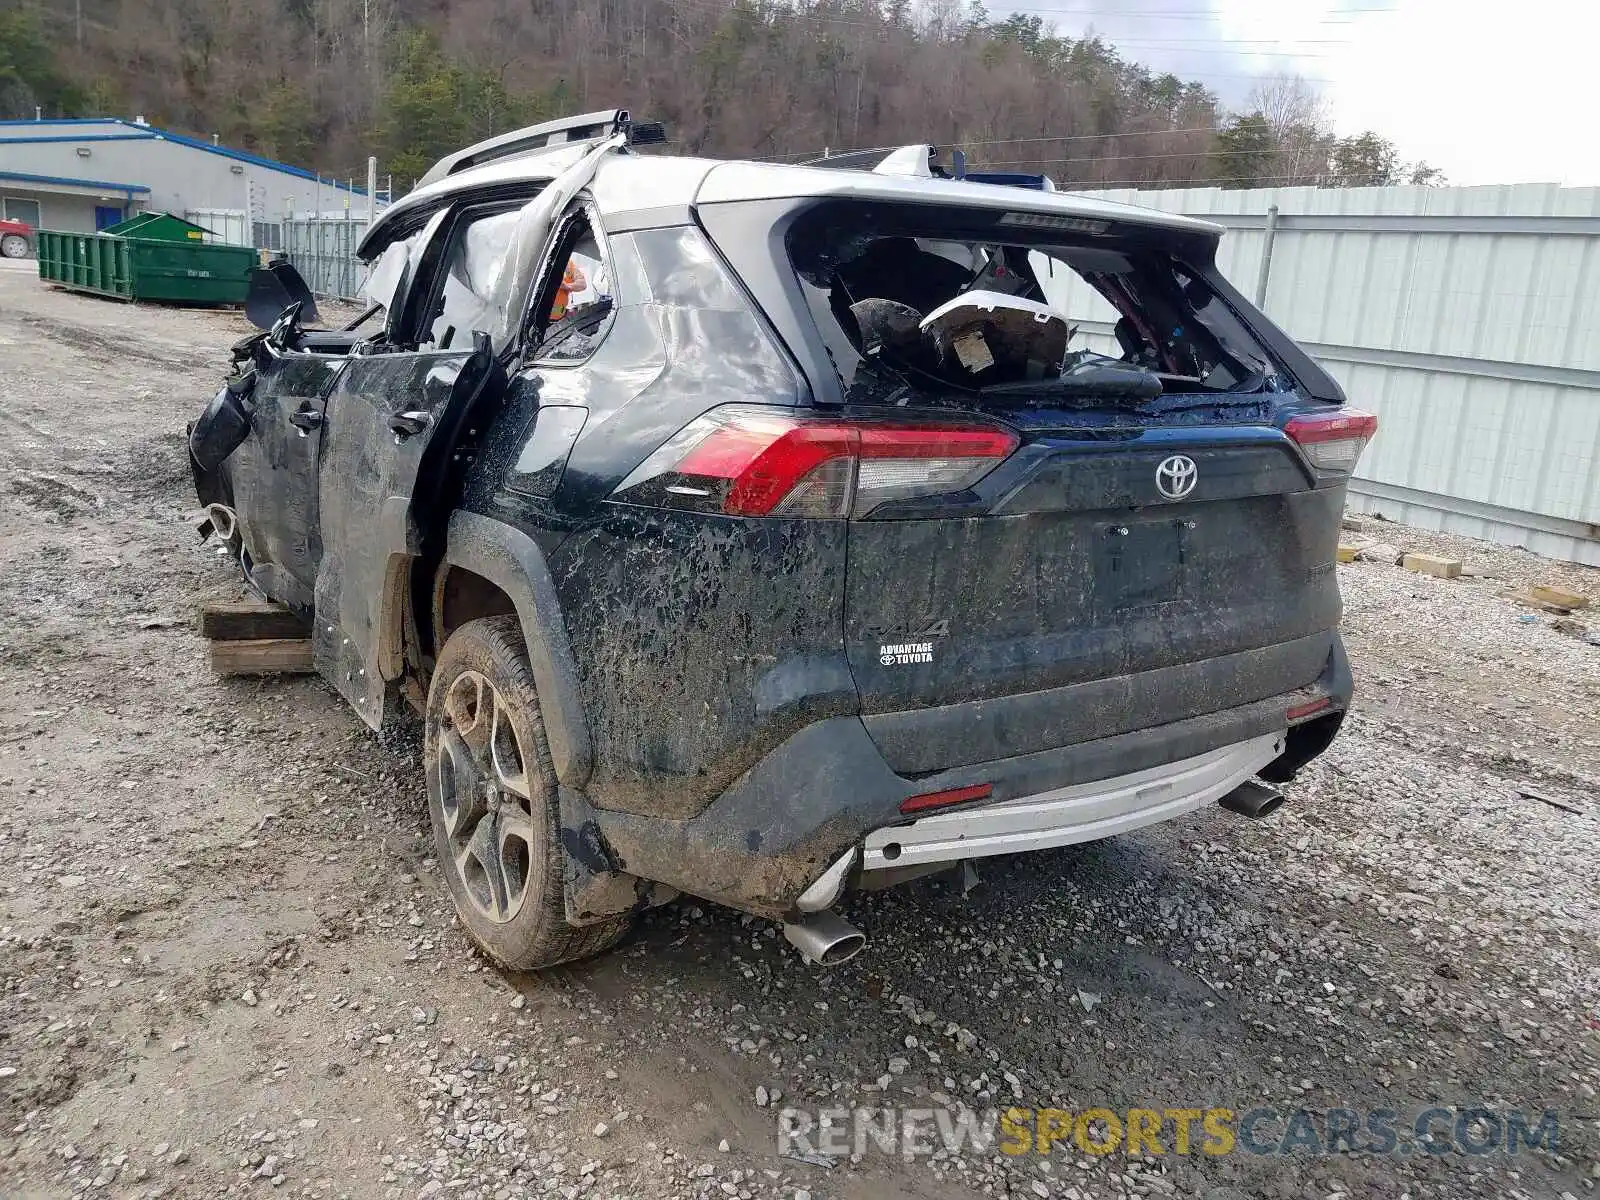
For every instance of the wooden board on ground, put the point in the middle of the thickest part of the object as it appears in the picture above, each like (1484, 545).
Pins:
(1559, 597)
(1527, 597)
(264, 656)
(249, 620)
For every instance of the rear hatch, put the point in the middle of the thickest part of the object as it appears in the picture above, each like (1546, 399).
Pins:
(1145, 543)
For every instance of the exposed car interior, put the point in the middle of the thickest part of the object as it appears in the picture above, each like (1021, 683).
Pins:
(1167, 330)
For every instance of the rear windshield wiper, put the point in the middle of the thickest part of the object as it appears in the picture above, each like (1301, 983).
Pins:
(912, 377)
(1087, 376)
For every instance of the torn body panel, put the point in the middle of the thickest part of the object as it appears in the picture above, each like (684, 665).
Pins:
(394, 427)
(272, 476)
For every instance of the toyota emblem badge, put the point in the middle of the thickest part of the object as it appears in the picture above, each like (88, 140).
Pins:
(1176, 476)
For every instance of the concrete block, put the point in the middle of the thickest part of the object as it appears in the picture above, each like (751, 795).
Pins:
(1432, 564)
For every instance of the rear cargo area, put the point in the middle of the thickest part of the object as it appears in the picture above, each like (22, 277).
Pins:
(1155, 548)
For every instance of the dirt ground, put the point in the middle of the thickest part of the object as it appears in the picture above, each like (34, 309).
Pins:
(228, 965)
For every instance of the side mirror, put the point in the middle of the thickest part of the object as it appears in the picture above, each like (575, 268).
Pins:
(274, 288)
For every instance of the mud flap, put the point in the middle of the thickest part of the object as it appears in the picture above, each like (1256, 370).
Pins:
(391, 467)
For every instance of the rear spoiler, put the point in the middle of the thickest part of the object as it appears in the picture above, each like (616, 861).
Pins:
(590, 127)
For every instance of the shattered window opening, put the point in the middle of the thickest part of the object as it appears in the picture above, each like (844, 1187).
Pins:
(480, 248)
(954, 301)
(573, 307)
(388, 274)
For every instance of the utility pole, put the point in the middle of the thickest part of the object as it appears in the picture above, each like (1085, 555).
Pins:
(247, 235)
(372, 190)
(77, 21)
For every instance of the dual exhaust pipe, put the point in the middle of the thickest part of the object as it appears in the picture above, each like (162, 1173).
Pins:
(1253, 799)
(825, 939)
(224, 521)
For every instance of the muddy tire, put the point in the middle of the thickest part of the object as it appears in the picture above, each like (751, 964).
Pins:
(492, 801)
(13, 245)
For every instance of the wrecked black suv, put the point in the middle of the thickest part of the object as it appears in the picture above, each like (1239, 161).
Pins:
(760, 532)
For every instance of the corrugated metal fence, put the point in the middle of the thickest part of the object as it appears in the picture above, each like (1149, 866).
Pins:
(324, 252)
(322, 249)
(1467, 318)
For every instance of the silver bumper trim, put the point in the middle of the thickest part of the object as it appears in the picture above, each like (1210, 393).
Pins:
(825, 890)
(1084, 812)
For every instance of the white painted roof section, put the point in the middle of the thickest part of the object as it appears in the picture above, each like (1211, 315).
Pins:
(627, 182)
(521, 168)
(623, 183)
(733, 181)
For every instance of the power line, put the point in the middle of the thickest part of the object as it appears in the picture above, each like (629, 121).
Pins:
(1103, 158)
(1084, 185)
(1004, 10)
(776, 8)
(1173, 13)
(1082, 137)
(1026, 141)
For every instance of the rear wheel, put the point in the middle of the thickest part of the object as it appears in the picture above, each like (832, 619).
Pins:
(14, 245)
(492, 801)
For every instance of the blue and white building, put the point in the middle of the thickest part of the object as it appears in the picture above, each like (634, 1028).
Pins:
(83, 175)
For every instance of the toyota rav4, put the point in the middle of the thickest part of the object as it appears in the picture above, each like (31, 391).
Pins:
(760, 532)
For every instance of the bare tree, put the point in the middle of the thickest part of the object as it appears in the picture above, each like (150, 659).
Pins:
(1297, 116)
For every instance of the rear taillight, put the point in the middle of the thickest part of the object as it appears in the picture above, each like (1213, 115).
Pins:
(1333, 441)
(753, 462)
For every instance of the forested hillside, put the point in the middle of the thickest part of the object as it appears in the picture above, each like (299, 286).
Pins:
(324, 83)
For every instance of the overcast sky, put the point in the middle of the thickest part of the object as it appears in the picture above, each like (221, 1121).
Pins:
(1489, 94)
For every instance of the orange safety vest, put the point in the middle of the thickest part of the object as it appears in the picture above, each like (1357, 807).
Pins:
(572, 280)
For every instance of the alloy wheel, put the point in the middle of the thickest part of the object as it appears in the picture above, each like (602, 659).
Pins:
(485, 798)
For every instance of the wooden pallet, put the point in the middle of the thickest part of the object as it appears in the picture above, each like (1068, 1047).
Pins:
(252, 637)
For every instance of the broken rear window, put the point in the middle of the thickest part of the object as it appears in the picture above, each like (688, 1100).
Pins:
(1015, 303)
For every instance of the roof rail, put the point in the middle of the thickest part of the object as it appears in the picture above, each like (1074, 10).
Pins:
(585, 128)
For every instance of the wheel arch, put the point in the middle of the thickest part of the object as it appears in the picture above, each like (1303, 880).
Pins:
(512, 563)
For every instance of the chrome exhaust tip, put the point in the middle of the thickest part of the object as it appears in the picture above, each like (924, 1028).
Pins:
(825, 939)
(1252, 799)
(224, 521)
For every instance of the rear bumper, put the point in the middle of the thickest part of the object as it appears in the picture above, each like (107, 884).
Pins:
(828, 790)
(1082, 812)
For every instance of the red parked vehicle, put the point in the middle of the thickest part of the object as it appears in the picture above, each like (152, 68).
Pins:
(16, 239)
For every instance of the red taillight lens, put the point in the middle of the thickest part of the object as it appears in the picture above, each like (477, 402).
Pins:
(751, 462)
(1333, 441)
(960, 795)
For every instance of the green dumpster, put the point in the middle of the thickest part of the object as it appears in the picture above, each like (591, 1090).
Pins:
(153, 256)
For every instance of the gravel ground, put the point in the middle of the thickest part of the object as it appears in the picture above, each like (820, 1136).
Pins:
(228, 966)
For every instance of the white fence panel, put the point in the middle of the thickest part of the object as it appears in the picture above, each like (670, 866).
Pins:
(226, 225)
(323, 250)
(1467, 318)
